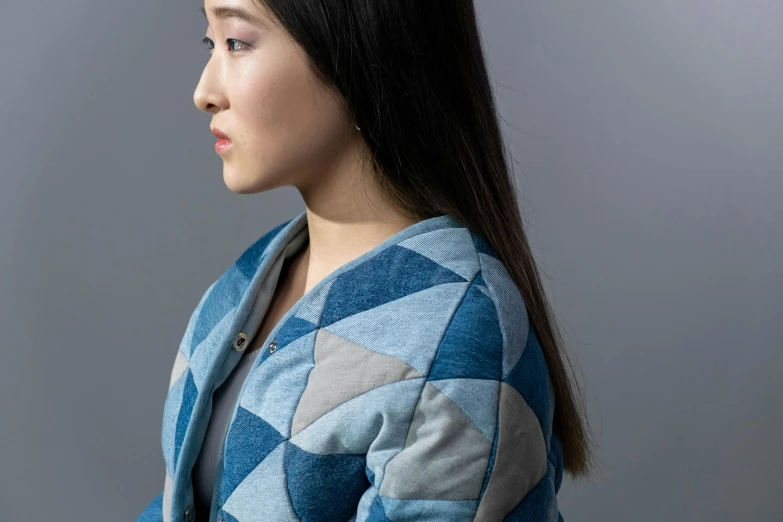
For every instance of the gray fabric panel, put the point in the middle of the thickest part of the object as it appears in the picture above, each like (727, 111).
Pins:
(520, 458)
(445, 455)
(343, 370)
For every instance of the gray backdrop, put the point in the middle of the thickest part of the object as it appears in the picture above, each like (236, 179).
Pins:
(649, 142)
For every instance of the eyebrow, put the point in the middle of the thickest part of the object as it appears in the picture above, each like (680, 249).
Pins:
(224, 12)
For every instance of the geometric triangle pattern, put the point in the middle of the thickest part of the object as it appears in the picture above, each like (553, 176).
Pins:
(396, 328)
(223, 298)
(358, 289)
(405, 385)
(519, 460)
(277, 383)
(445, 455)
(539, 503)
(324, 488)
(358, 427)
(477, 398)
(445, 247)
(344, 370)
(511, 311)
(472, 347)
(269, 476)
(189, 394)
(250, 439)
(531, 379)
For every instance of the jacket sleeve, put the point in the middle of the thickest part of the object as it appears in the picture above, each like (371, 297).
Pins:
(153, 512)
(472, 451)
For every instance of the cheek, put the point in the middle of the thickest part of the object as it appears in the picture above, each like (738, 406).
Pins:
(286, 112)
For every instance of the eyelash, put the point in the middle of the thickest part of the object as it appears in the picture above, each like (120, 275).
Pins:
(207, 41)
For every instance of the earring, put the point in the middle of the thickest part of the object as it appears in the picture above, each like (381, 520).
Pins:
(357, 127)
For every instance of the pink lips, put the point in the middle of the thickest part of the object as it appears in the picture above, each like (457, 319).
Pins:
(222, 145)
(223, 142)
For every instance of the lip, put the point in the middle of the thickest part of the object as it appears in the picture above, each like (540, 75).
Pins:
(223, 143)
(219, 133)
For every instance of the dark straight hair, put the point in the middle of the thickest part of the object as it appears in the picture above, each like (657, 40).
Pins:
(414, 76)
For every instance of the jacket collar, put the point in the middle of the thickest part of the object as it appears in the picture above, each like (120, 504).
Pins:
(249, 271)
(229, 300)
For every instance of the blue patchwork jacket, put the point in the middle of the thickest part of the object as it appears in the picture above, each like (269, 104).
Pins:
(407, 385)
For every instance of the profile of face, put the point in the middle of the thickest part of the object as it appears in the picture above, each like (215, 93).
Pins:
(285, 126)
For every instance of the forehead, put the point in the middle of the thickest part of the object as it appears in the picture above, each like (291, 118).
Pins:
(248, 11)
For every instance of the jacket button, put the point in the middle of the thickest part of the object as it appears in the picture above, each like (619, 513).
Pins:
(273, 346)
(240, 342)
(189, 513)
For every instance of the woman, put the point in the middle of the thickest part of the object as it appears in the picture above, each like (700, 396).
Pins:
(388, 354)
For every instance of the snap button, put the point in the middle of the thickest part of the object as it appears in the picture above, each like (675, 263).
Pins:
(272, 346)
(240, 342)
(189, 513)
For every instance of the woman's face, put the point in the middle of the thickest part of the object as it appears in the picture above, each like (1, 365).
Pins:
(284, 126)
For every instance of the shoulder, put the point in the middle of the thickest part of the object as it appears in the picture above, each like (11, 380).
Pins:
(491, 315)
(490, 289)
(450, 287)
(525, 374)
(491, 336)
(478, 418)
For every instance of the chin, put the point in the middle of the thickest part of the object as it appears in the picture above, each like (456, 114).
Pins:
(245, 183)
(236, 182)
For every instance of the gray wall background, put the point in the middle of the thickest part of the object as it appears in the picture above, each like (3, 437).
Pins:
(649, 142)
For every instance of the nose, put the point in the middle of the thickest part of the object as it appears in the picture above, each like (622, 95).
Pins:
(208, 95)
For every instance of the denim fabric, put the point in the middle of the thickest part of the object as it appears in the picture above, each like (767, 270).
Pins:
(407, 385)
(154, 510)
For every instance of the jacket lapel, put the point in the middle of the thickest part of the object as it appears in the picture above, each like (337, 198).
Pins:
(206, 357)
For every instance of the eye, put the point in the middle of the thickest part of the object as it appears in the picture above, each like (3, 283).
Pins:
(241, 43)
(210, 45)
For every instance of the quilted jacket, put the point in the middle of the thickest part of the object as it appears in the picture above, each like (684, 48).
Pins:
(407, 385)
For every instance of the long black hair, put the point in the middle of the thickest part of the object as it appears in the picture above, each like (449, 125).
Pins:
(414, 76)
